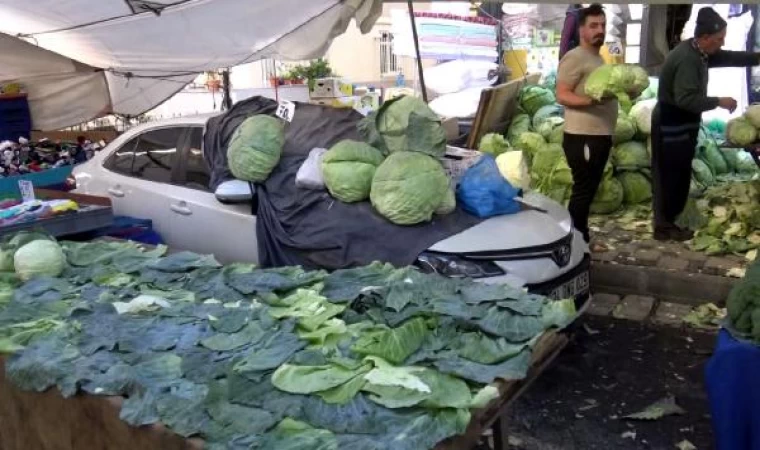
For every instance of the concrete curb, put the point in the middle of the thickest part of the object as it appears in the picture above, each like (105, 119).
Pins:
(665, 285)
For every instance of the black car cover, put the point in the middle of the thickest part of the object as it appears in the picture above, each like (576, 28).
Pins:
(309, 228)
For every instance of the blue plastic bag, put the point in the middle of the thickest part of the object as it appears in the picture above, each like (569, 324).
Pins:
(483, 192)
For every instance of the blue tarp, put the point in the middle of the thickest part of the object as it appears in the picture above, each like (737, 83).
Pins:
(733, 387)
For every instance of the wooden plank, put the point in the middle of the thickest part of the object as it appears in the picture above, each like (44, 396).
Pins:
(496, 108)
(47, 421)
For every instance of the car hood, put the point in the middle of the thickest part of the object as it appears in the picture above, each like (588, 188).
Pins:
(541, 222)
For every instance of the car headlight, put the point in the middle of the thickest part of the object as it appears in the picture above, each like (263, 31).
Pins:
(455, 267)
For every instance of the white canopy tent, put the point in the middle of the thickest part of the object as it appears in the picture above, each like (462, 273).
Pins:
(82, 59)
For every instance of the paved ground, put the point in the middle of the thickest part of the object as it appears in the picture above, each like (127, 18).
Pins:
(629, 239)
(616, 367)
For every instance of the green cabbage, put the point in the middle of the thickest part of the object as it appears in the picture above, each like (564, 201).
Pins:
(731, 155)
(713, 156)
(557, 135)
(533, 98)
(530, 143)
(740, 132)
(641, 113)
(449, 203)
(702, 172)
(38, 258)
(494, 144)
(348, 168)
(625, 129)
(255, 148)
(752, 114)
(630, 156)
(408, 187)
(636, 187)
(553, 113)
(404, 124)
(745, 164)
(520, 124)
(650, 92)
(639, 82)
(612, 79)
(609, 197)
(624, 102)
(550, 173)
(513, 168)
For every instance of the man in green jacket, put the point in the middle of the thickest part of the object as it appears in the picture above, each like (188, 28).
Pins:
(682, 99)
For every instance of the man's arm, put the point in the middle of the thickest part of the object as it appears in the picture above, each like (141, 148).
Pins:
(726, 58)
(569, 75)
(687, 92)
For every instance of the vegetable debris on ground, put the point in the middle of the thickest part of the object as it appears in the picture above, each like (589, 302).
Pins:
(726, 219)
(373, 357)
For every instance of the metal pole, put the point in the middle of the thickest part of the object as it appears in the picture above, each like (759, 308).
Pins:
(226, 97)
(417, 50)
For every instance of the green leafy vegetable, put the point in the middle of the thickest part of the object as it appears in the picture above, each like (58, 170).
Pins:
(348, 168)
(408, 188)
(255, 148)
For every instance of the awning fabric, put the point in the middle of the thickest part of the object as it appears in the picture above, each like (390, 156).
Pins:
(82, 59)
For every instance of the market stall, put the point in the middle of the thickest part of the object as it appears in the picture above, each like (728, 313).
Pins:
(237, 355)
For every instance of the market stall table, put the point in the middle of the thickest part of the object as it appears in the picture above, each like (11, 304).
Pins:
(47, 421)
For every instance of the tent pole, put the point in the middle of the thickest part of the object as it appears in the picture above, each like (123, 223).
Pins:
(226, 97)
(417, 51)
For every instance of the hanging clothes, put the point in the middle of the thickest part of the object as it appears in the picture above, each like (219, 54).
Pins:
(570, 35)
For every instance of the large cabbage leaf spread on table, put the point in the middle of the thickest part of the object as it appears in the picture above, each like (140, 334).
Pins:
(368, 358)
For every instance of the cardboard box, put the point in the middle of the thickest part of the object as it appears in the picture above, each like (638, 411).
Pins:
(339, 102)
(368, 102)
(331, 88)
(451, 127)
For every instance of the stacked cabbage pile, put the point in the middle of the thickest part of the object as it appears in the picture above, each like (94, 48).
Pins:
(627, 181)
(542, 164)
(410, 185)
(743, 131)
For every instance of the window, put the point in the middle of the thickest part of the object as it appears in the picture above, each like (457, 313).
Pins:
(150, 156)
(196, 174)
(388, 60)
(121, 161)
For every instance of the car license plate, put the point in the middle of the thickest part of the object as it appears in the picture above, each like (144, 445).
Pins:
(572, 288)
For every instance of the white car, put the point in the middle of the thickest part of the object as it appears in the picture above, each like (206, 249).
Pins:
(156, 171)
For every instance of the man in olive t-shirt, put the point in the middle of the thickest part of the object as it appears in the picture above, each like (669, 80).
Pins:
(589, 125)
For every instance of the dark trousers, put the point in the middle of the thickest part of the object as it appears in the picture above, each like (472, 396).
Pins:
(587, 173)
(674, 143)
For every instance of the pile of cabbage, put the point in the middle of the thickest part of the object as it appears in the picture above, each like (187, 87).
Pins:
(398, 168)
(539, 162)
(743, 131)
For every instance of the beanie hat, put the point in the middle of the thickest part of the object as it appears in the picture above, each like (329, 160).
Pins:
(708, 22)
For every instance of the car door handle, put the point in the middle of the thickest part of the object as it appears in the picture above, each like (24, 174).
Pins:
(116, 192)
(181, 208)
